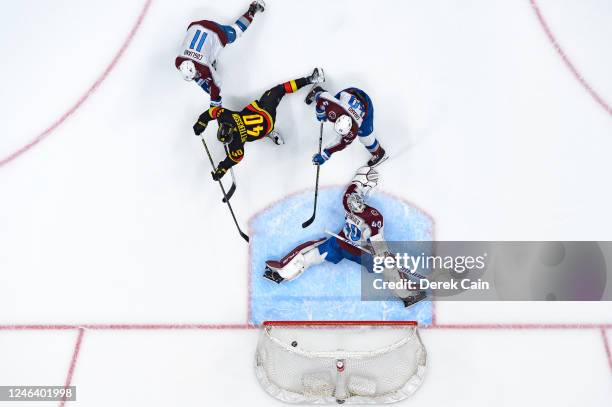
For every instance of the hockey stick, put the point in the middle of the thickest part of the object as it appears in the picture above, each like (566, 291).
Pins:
(363, 249)
(314, 212)
(417, 275)
(232, 189)
(242, 234)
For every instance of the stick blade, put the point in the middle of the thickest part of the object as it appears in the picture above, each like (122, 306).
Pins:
(308, 222)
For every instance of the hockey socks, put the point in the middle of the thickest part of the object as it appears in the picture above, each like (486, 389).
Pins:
(243, 23)
(295, 85)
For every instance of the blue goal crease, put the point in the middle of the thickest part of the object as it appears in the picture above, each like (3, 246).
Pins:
(326, 291)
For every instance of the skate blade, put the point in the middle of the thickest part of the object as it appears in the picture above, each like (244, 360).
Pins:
(382, 160)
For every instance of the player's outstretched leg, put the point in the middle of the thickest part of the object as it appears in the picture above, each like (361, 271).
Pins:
(371, 143)
(235, 31)
(378, 156)
(413, 299)
(374, 147)
(272, 97)
(292, 265)
(317, 76)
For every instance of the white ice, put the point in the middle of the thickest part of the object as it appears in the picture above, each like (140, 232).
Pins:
(113, 218)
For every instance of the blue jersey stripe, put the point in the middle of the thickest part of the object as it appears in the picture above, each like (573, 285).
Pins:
(195, 38)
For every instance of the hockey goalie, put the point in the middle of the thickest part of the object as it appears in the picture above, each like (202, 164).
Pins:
(363, 228)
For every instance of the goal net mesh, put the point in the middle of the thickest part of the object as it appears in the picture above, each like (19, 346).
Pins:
(340, 362)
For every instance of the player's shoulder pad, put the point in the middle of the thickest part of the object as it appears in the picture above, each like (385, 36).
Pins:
(371, 215)
(325, 96)
(374, 213)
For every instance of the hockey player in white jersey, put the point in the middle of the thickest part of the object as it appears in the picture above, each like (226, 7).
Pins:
(363, 228)
(202, 45)
(352, 113)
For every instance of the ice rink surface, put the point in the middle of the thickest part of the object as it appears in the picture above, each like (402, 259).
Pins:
(120, 270)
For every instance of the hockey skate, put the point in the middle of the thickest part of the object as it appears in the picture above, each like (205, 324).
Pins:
(276, 137)
(317, 76)
(272, 275)
(411, 300)
(313, 94)
(257, 5)
(378, 158)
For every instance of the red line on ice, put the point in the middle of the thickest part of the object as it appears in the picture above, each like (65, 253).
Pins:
(208, 327)
(123, 327)
(566, 59)
(607, 347)
(92, 89)
(75, 356)
(518, 326)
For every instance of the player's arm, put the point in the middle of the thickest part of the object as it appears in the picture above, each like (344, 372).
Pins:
(366, 179)
(339, 144)
(211, 114)
(377, 239)
(326, 102)
(322, 103)
(235, 154)
(206, 80)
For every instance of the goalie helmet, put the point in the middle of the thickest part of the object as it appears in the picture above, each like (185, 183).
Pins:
(355, 203)
(225, 133)
(343, 125)
(188, 70)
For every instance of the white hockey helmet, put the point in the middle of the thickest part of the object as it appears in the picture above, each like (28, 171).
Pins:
(343, 125)
(355, 203)
(188, 70)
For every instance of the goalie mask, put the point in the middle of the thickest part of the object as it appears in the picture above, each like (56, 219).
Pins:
(188, 70)
(355, 203)
(225, 134)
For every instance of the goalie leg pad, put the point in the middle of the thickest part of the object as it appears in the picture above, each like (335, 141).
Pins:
(393, 275)
(298, 260)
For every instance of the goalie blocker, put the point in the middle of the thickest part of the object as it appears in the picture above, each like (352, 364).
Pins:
(362, 234)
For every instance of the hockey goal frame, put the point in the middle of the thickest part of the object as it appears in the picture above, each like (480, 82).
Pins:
(405, 345)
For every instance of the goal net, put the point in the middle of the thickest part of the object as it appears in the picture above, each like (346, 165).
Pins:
(359, 362)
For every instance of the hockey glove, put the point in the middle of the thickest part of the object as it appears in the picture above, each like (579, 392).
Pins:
(218, 174)
(321, 115)
(199, 127)
(319, 159)
(366, 177)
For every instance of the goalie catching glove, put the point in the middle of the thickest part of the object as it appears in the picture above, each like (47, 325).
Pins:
(366, 179)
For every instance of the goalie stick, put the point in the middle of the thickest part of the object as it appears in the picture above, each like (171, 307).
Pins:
(363, 249)
(314, 212)
(225, 197)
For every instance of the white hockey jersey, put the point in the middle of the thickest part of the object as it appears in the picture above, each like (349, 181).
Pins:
(201, 45)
